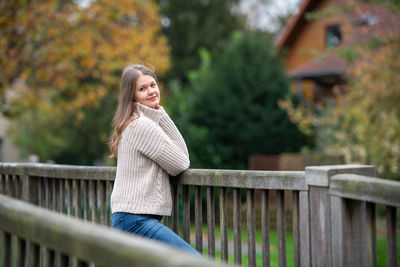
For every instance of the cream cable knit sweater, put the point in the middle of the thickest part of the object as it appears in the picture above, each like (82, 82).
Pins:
(150, 148)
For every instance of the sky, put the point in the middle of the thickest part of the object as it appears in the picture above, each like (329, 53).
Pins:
(263, 14)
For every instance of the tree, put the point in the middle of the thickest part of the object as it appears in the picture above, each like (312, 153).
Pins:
(235, 108)
(367, 117)
(190, 25)
(63, 63)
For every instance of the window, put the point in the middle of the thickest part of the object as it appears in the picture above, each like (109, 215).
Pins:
(333, 35)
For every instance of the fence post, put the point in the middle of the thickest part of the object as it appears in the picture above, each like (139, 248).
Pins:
(30, 194)
(330, 220)
(30, 189)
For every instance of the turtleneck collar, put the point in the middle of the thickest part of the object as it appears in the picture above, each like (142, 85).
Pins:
(151, 113)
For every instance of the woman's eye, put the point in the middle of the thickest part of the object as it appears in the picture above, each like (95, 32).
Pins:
(142, 89)
(153, 85)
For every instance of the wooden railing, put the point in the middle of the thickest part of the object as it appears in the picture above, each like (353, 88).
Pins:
(331, 209)
(34, 236)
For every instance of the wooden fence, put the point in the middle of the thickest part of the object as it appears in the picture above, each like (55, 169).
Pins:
(33, 236)
(333, 208)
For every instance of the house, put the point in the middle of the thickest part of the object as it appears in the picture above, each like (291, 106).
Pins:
(310, 46)
(311, 49)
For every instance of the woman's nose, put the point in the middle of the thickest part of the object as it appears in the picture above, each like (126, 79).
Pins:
(151, 90)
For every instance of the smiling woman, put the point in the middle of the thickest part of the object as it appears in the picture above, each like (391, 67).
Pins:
(149, 148)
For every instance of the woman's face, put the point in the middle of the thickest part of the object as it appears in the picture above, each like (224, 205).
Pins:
(147, 92)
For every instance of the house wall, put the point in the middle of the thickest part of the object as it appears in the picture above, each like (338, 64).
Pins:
(310, 41)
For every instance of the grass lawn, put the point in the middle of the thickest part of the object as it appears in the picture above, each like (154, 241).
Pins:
(381, 247)
(273, 247)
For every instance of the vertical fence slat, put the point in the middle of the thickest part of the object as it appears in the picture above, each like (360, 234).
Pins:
(237, 232)
(103, 201)
(266, 256)
(211, 222)
(47, 192)
(54, 194)
(11, 179)
(371, 233)
(251, 227)
(31, 187)
(175, 209)
(62, 195)
(50, 258)
(20, 184)
(86, 211)
(93, 196)
(40, 192)
(186, 213)
(17, 186)
(108, 204)
(391, 236)
(64, 260)
(2, 184)
(8, 185)
(198, 208)
(14, 251)
(10, 188)
(34, 255)
(281, 227)
(223, 207)
(69, 198)
(78, 198)
(21, 252)
(5, 249)
(296, 228)
(14, 186)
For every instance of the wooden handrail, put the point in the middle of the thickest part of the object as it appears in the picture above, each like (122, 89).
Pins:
(282, 180)
(87, 241)
(366, 188)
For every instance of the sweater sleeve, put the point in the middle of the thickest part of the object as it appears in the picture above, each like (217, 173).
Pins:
(172, 131)
(148, 137)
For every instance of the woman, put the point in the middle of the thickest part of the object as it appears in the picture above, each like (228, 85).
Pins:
(149, 147)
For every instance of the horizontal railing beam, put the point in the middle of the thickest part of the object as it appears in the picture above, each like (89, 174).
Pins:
(59, 171)
(281, 180)
(88, 241)
(359, 187)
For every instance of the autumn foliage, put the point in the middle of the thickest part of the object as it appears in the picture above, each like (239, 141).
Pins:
(61, 61)
(363, 123)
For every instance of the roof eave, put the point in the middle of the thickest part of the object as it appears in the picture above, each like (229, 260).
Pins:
(299, 76)
(293, 22)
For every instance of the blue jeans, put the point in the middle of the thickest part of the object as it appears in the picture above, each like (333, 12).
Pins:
(149, 226)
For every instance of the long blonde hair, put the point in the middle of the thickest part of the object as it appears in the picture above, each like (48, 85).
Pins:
(126, 110)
